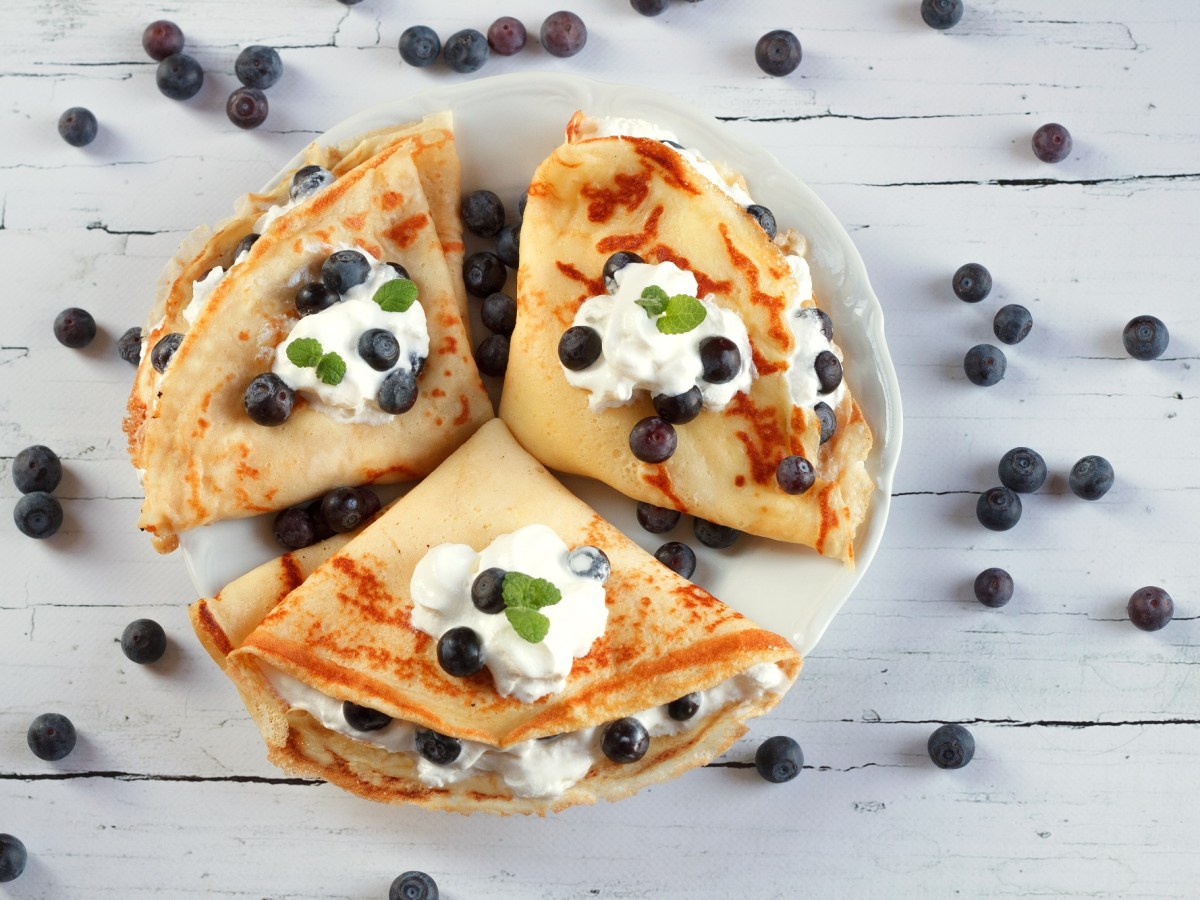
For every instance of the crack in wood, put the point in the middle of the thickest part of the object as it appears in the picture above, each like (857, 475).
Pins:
(829, 114)
(1040, 182)
(141, 776)
(1036, 723)
(100, 226)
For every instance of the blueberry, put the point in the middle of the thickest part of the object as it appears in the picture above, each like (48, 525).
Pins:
(399, 391)
(363, 718)
(795, 474)
(779, 759)
(77, 126)
(678, 557)
(778, 52)
(129, 346)
(437, 748)
(1052, 143)
(164, 349)
(821, 317)
(13, 857)
(710, 534)
(1150, 608)
(484, 273)
(419, 46)
(466, 51)
(828, 420)
(524, 199)
(650, 7)
(179, 76)
(491, 356)
(487, 591)
(1012, 323)
(951, 747)
(343, 509)
(36, 468)
(720, 360)
(589, 562)
(244, 245)
(1023, 470)
(399, 270)
(1145, 337)
(370, 502)
(681, 408)
(162, 39)
(499, 313)
(625, 740)
(657, 519)
(247, 107)
(508, 245)
(993, 587)
(314, 297)
(829, 371)
(51, 737)
(37, 515)
(460, 652)
(482, 213)
(971, 283)
(258, 67)
(295, 528)
(941, 14)
(563, 34)
(379, 348)
(268, 399)
(323, 530)
(345, 269)
(74, 327)
(616, 263)
(670, 143)
(985, 364)
(143, 641)
(684, 707)
(308, 180)
(413, 886)
(764, 217)
(579, 347)
(507, 36)
(653, 440)
(1091, 477)
(998, 508)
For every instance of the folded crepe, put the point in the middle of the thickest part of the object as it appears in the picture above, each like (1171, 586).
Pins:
(201, 456)
(299, 637)
(597, 195)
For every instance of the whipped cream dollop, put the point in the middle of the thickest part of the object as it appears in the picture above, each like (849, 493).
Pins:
(635, 355)
(441, 592)
(203, 289)
(540, 768)
(338, 329)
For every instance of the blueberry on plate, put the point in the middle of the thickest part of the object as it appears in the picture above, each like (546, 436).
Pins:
(653, 440)
(420, 46)
(399, 391)
(314, 297)
(344, 269)
(657, 519)
(268, 399)
(460, 652)
(507, 36)
(343, 509)
(247, 107)
(998, 508)
(379, 348)
(678, 557)
(38, 515)
(143, 641)
(764, 217)
(589, 562)
(1022, 469)
(616, 263)
(51, 737)
(439, 749)
(1052, 143)
(74, 328)
(1091, 477)
(484, 273)
(941, 14)
(720, 360)
(625, 740)
(413, 886)
(1012, 323)
(1150, 608)
(36, 468)
(295, 528)
(308, 180)
(985, 365)
(179, 77)
(77, 126)
(1145, 337)
(993, 587)
(779, 759)
(829, 371)
(710, 534)
(129, 345)
(508, 245)
(828, 420)
(498, 312)
(680, 408)
(487, 591)
(971, 283)
(363, 718)
(951, 747)
(162, 39)
(466, 51)
(258, 66)
(579, 347)
(778, 52)
(650, 7)
(13, 857)
(563, 34)
(491, 356)
(684, 708)
(482, 213)
(795, 474)
(163, 349)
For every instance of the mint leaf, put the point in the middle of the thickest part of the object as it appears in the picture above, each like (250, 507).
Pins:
(396, 295)
(331, 368)
(522, 591)
(683, 313)
(654, 301)
(304, 352)
(528, 623)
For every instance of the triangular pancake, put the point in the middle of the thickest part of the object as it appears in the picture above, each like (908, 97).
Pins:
(346, 632)
(595, 196)
(205, 460)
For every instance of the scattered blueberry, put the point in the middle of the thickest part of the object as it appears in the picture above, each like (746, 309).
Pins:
(822, 317)
(1012, 323)
(941, 14)
(482, 213)
(345, 269)
(484, 273)
(720, 358)
(951, 747)
(653, 439)
(625, 740)
(162, 39)
(795, 474)
(684, 708)
(508, 245)
(491, 356)
(258, 67)
(589, 562)
(678, 557)
(765, 218)
(343, 509)
(828, 420)
(507, 36)
(998, 508)
(129, 346)
(413, 886)
(314, 297)
(268, 399)
(499, 313)
(164, 349)
(1150, 608)
(779, 759)
(179, 77)
(309, 180)
(419, 46)
(379, 348)
(143, 641)
(1023, 470)
(460, 652)
(710, 534)
(74, 327)
(244, 245)
(681, 408)
(1145, 337)
(37, 515)
(972, 282)
(13, 857)
(778, 52)
(437, 748)
(36, 468)
(650, 7)
(1052, 143)
(51, 737)
(466, 51)
(985, 364)
(579, 347)
(363, 718)
(657, 519)
(829, 371)
(616, 263)
(247, 107)
(1091, 477)
(563, 34)
(487, 591)
(399, 391)
(77, 126)
(294, 528)
(993, 587)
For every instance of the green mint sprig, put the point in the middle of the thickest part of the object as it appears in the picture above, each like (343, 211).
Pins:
(396, 295)
(676, 314)
(523, 597)
(306, 353)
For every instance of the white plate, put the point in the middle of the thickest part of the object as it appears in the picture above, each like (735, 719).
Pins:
(505, 126)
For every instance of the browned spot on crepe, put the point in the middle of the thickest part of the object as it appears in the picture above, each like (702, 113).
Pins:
(464, 410)
(763, 440)
(674, 170)
(406, 231)
(355, 222)
(636, 240)
(630, 191)
(663, 253)
(660, 478)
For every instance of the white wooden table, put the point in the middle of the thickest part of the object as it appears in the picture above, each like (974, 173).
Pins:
(1085, 780)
